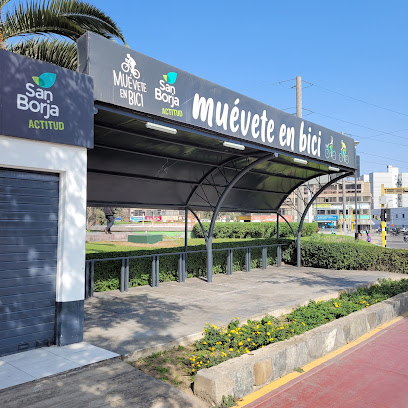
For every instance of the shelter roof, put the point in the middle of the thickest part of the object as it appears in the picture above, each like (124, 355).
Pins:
(133, 166)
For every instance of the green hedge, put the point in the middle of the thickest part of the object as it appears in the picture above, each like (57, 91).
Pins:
(254, 229)
(107, 274)
(346, 253)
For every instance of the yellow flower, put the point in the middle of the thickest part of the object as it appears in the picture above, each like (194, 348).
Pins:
(248, 339)
(204, 342)
(268, 334)
(240, 343)
(231, 349)
(193, 369)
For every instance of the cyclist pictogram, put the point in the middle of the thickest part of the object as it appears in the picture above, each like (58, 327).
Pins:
(329, 152)
(343, 153)
(129, 65)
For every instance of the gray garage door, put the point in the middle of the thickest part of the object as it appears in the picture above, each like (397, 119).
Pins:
(28, 259)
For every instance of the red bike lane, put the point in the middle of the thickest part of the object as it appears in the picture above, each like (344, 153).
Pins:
(372, 374)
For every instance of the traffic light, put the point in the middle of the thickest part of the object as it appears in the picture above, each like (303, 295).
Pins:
(385, 214)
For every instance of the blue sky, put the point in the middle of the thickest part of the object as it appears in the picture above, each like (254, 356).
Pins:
(342, 50)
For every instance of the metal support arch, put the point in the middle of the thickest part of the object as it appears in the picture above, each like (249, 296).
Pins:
(244, 171)
(299, 234)
(199, 222)
(287, 222)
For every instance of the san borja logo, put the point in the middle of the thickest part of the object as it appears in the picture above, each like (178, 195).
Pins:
(166, 92)
(40, 100)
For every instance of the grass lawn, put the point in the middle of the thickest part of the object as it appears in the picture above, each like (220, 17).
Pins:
(100, 247)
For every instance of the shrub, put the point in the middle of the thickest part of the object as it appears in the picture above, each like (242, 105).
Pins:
(254, 229)
(334, 252)
(107, 274)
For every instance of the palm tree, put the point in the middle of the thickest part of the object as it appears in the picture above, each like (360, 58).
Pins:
(48, 29)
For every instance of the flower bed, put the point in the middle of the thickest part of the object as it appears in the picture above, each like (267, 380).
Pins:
(220, 344)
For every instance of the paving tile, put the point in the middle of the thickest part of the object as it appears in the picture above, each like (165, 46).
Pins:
(82, 353)
(32, 356)
(91, 356)
(11, 376)
(65, 351)
(49, 366)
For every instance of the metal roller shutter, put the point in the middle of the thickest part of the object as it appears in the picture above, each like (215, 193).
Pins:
(28, 259)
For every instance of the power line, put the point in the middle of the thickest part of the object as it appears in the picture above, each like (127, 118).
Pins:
(351, 123)
(362, 101)
(366, 127)
(263, 85)
(383, 157)
(385, 164)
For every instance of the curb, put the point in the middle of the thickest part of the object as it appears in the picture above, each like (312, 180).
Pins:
(243, 375)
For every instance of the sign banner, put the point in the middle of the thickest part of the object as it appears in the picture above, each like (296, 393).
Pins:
(362, 206)
(131, 80)
(136, 219)
(44, 102)
(152, 218)
(326, 217)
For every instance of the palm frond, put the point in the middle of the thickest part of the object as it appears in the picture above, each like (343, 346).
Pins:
(33, 18)
(88, 17)
(3, 3)
(68, 18)
(58, 52)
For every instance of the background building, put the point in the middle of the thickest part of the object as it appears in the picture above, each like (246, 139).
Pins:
(390, 178)
(327, 210)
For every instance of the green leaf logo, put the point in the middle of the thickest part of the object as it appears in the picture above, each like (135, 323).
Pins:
(45, 80)
(170, 77)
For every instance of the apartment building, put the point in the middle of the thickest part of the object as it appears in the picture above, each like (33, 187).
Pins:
(327, 209)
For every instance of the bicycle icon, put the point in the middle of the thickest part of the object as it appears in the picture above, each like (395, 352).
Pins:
(129, 65)
(344, 157)
(330, 153)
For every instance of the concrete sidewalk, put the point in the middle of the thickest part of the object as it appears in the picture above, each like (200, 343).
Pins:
(108, 384)
(147, 318)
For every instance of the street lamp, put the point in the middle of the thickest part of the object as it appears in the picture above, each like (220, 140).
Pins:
(355, 196)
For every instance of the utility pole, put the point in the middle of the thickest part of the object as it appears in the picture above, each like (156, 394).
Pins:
(299, 96)
(300, 206)
(344, 203)
(357, 212)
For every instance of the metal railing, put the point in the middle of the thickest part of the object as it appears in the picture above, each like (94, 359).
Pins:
(182, 265)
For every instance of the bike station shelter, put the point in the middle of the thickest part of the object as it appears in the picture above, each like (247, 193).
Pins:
(147, 135)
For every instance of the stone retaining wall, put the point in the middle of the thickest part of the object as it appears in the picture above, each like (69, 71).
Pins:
(243, 375)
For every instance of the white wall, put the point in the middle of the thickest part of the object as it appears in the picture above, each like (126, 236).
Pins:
(389, 180)
(404, 183)
(70, 162)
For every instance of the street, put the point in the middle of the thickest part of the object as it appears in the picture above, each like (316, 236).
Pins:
(392, 241)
